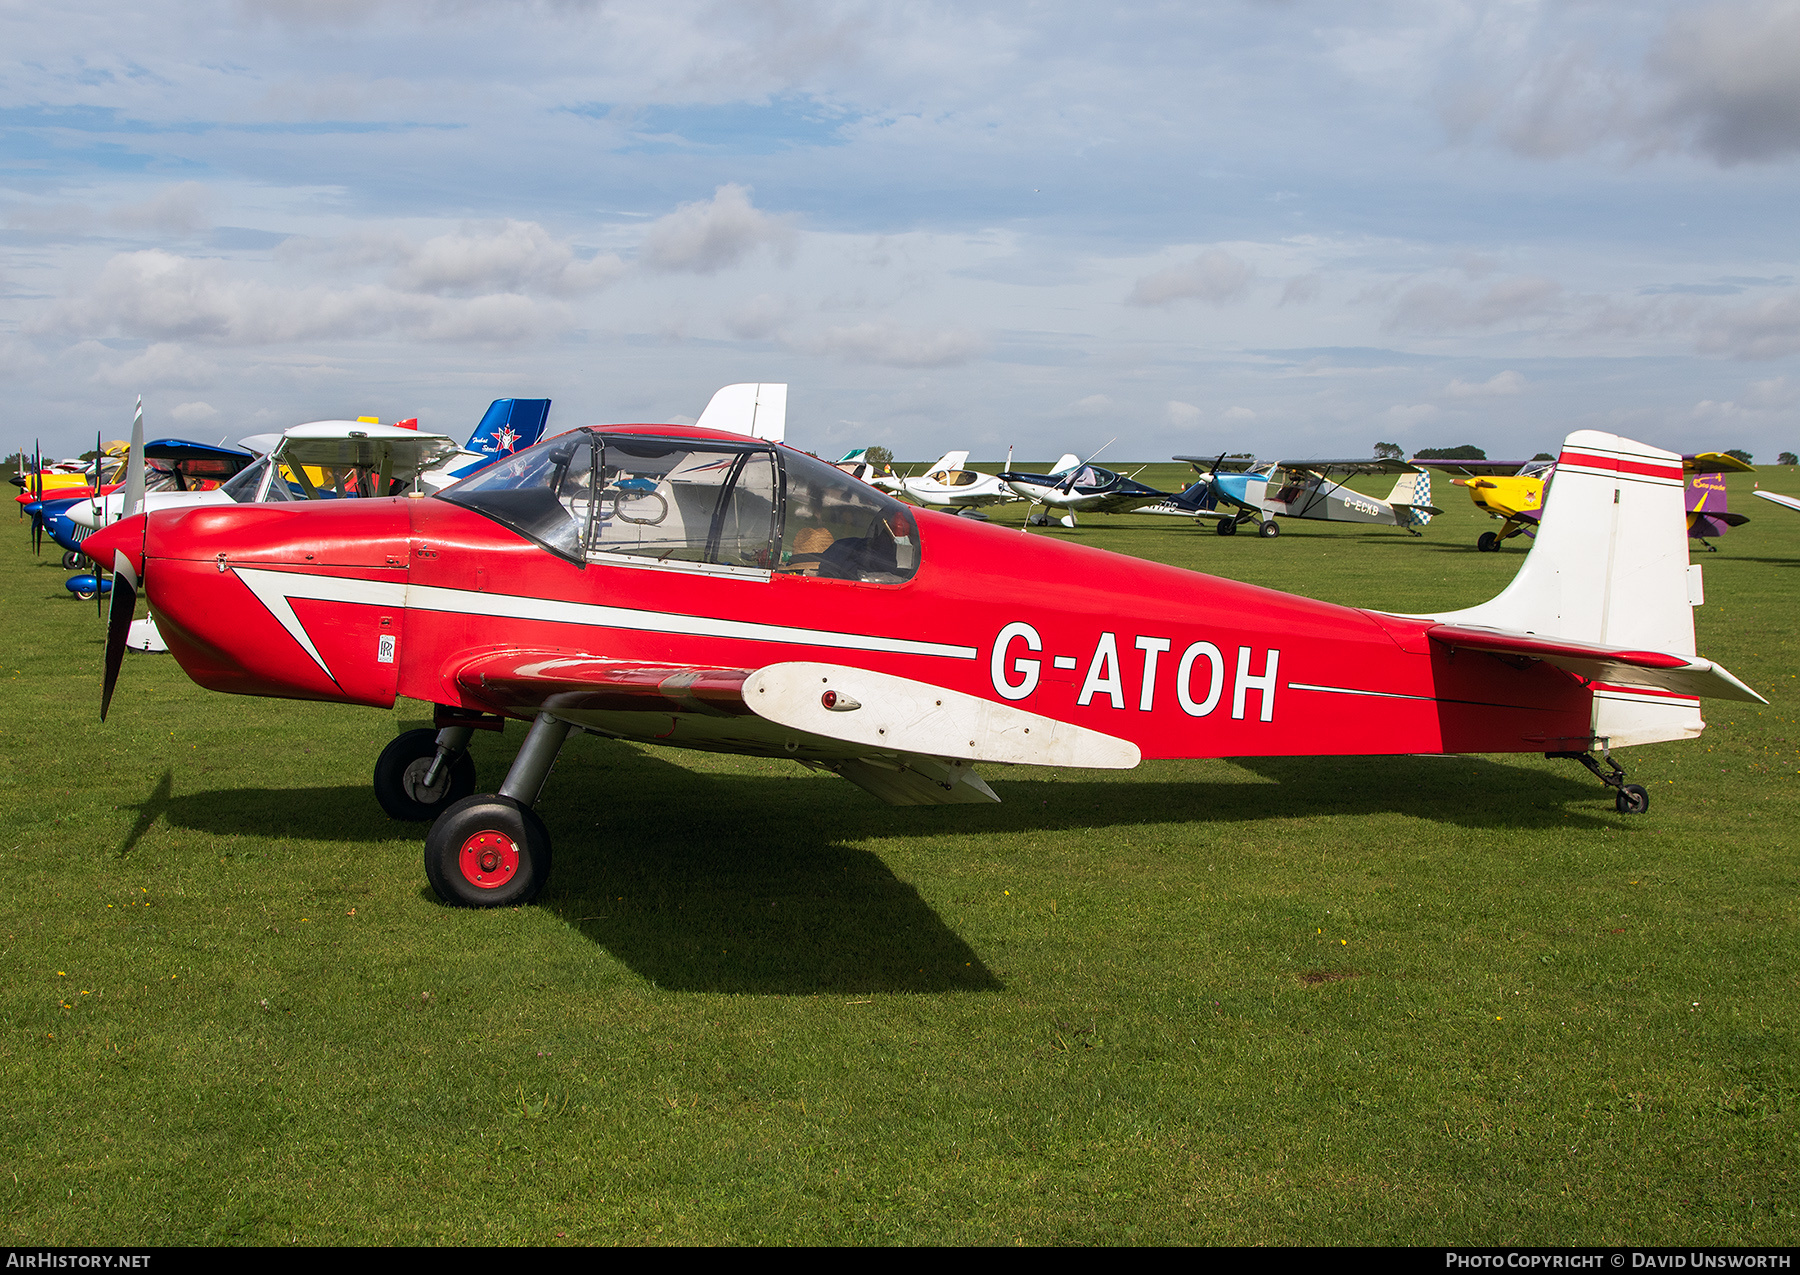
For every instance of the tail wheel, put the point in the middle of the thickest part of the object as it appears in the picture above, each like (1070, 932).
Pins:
(1489, 542)
(1269, 530)
(400, 774)
(1632, 800)
(487, 852)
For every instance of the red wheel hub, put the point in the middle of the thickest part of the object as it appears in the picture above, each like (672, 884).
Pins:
(489, 859)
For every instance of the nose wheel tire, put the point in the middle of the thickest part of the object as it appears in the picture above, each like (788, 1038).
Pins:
(1489, 543)
(400, 778)
(487, 852)
(72, 560)
(1227, 526)
(1632, 800)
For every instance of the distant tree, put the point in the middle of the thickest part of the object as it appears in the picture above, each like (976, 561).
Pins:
(1468, 451)
(1739, 452)
(1389, 451)
(1543, 456)
(1240, 455)
(1787, 458)
(878, 456)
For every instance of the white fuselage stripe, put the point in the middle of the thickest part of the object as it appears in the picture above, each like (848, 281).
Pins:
(1345, 690)
(276, 588)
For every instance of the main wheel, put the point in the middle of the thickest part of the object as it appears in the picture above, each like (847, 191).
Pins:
(72, 560)
(487, 852)
(1227, 526)
(1269, 530)
(400, 778)
(1489, 542)
(1632, 800)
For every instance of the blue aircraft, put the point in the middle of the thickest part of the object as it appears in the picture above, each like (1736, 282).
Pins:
(1238, 490)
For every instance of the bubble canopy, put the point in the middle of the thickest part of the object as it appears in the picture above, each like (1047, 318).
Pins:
(695, 502)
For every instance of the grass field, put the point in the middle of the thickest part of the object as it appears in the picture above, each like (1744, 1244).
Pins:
(1368, 1000)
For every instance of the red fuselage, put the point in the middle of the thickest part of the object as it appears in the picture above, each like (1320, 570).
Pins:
(362, 600)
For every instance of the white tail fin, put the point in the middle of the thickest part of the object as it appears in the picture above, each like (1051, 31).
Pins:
(1610, 567)
(1069, 461)
(950, 460)
(756, 409)
(1412, 497)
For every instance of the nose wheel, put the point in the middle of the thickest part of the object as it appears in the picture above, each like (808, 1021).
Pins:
(423, 773)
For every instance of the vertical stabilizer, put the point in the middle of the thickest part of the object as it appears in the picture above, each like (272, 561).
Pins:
(1411, 498)
(758, 409)
(1609, 566)
(509, 425)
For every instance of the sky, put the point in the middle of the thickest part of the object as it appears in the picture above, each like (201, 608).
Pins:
(1290, 227)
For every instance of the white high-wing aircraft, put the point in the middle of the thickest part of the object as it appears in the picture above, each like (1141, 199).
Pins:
(949, 484)
(1777, 498)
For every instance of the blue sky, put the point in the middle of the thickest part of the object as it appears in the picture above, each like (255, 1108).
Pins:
(1267, 225)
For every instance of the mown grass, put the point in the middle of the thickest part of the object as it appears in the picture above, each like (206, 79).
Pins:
(1366, 1000)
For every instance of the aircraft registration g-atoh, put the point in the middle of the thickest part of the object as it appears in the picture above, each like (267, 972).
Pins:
(704, 589)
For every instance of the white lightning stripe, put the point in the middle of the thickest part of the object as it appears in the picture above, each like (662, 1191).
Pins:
(1345, 690)
(275, 588)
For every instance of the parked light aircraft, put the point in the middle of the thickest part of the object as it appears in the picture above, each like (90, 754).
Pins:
(1514, 493)
(1786, 502)
(1246, 490)
(709, 590)
(951, 484)
(1075, 486)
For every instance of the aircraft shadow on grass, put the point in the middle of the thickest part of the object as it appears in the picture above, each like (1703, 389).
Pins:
(754, 884)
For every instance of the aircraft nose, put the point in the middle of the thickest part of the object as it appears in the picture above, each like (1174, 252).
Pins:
(125, 536)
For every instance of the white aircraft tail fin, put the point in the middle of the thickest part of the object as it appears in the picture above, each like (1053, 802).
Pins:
(758, 409)
(949, 460)
(1069, 461)
(1411, 497)
(1610, 567)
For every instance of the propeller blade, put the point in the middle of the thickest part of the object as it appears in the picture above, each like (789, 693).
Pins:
(118, 624)
(133, 499)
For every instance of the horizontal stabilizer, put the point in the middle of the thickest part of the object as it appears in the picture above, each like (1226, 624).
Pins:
(1615, 666)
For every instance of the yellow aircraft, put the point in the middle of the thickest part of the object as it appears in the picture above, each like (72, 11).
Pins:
(1514, 492)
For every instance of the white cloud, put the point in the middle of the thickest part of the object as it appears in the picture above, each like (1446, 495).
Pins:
(175, 211)
(896, 346)
(1300, 289)
(160, 296)
(1239, 414)
(1092, 405)
(758, 318)
(1178, 413)
(193, 413)
(1773, 394)
(1719, 80)
(1436, 307)
(1500, 383)
(1767, 329)
(1403, 416)
(511, 256)
(1215, 276)
(713, 234)
(161, 364)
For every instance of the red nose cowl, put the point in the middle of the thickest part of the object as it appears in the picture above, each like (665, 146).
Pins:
(124, 536)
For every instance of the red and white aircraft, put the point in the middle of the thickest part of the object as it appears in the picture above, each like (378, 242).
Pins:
(693, 587)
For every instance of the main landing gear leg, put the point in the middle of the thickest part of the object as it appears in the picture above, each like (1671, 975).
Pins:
(1628, 799)
(489, 852)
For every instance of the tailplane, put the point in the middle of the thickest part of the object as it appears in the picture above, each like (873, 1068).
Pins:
(758, 409)
(1609, 571)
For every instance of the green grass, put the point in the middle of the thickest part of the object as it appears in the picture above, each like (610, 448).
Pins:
(1366, 1000)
